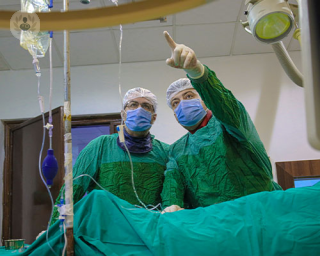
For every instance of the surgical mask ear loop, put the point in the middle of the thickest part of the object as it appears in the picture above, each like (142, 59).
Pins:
(152, 115)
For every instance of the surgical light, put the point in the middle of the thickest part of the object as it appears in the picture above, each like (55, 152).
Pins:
(269, 20)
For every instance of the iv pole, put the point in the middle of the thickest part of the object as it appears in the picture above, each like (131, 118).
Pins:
(68, 140)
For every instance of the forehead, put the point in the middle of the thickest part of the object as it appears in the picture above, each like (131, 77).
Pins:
(141, 100)
(179, 94)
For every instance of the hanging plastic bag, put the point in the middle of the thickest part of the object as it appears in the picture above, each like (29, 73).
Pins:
(36, 43)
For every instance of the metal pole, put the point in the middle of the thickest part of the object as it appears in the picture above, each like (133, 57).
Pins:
(68, 141)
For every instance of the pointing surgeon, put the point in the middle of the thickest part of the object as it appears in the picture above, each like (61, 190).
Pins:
(221, 158)
(106, 159)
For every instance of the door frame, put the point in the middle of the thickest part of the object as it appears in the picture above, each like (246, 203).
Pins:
(10, 126)
(7, 177)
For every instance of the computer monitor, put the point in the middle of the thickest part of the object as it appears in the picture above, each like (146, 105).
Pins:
(310, 44)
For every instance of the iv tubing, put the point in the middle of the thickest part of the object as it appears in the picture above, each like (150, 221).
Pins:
(119, 72)
(132, 178)
(38, 74)
(52, 203)
(120, 61)
(120, 94)
(40, 155)
(39, 89)
(87, 175)
(50, 95)
(65, 239)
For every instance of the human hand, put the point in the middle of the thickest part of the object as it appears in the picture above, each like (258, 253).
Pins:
(183, 57)
(172, 208)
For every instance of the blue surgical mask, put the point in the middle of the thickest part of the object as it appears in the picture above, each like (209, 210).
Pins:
(138, 120)
(190, 112)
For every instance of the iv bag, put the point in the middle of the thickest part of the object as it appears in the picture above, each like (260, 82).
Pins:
(36, 43)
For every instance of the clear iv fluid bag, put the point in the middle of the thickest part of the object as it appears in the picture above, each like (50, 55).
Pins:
(36, 42)
(31, 6)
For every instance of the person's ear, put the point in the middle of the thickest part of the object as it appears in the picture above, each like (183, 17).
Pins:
(153, 118)
(204, 105)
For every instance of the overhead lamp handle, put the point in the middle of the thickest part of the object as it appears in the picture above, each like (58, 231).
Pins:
(246, 24)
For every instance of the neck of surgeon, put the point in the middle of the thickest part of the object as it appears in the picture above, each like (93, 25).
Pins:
(202, 123)
(138, 134)
(194, 127)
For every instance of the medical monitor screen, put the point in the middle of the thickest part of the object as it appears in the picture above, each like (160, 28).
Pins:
(306, 182)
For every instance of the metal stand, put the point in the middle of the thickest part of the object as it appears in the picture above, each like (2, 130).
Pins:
(68, 140)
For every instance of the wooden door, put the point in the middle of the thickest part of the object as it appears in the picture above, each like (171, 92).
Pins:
(27, 205)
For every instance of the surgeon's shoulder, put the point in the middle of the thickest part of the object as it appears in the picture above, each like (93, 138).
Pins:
(179, 144)
(103, 139)
(162, 145)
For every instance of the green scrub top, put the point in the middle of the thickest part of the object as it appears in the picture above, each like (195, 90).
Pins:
(110, 166)
(223, 160)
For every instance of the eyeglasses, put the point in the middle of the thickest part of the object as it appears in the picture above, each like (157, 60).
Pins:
(134, 105)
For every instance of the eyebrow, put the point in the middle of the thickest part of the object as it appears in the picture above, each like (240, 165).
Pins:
(146, 102)
(182, 96)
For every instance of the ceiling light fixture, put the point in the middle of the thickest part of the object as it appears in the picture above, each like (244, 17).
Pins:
(269, 20)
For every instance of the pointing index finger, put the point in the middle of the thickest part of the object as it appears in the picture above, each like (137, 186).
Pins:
(169, 39)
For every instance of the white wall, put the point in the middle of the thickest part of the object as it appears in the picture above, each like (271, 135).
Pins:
(275, 104)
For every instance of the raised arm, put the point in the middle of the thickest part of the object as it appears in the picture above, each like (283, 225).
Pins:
(224, 106)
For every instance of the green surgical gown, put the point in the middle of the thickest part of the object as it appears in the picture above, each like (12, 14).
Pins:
(106, 162)
(223, 160)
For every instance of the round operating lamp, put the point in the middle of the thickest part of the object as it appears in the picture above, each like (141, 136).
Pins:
(270, 20)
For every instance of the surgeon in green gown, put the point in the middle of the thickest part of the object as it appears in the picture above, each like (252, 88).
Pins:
(107, 161)
(221, 158)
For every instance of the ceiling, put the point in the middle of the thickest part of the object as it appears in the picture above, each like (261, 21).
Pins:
(211, 30)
